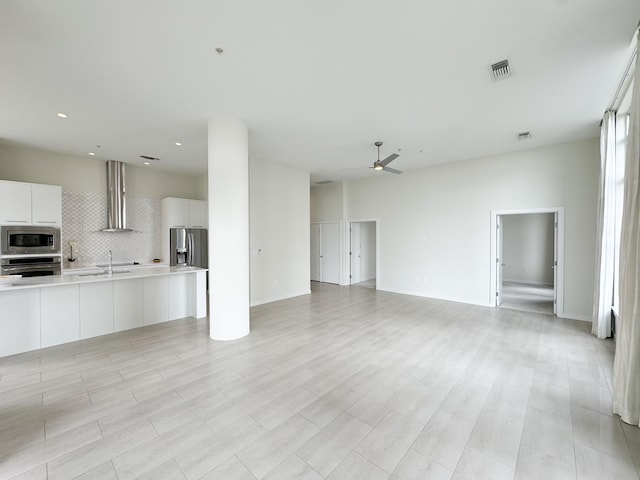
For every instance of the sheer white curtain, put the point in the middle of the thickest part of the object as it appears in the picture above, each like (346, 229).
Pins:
(605, 258)
(626, 368)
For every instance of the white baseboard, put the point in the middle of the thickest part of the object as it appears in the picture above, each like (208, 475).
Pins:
(466, 301)
(527, 282)
(277, 299)
(576, 316)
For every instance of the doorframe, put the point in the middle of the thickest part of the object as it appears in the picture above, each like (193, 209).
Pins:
(559, 284)
(347, 239)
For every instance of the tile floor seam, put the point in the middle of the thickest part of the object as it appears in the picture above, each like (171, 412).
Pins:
(430, 459)
(303, 461)
(235, 455)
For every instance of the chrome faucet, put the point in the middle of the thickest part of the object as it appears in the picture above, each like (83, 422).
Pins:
(110, 271)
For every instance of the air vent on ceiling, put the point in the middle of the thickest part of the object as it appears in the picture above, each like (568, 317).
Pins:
(147, 157)
(324, 182)
(500, 70)
(524, 135)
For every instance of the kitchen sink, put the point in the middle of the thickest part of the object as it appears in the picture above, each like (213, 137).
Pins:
(98, 274)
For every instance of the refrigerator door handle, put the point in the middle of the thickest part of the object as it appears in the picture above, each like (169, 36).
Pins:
(190, 255)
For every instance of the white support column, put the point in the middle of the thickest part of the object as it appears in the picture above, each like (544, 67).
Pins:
(228, 229)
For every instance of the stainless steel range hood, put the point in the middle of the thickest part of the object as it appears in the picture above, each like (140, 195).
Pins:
(116, 198)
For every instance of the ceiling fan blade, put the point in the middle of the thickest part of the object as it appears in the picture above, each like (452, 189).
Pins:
(391, 170)
(389, 159)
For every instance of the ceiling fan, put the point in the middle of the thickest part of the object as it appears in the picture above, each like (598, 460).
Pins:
(382, 164)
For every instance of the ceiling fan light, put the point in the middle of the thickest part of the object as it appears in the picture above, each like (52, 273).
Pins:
(377, 166)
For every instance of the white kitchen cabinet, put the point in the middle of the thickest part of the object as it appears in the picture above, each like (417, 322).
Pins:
(60, 315)
(19, 321)
(155, 300)
(127, 307)
(180, 212)
(184, 212)
(197, 214)
(30, 204)
(175, 212)
(15, 203)
(96, 309)
(46, 204)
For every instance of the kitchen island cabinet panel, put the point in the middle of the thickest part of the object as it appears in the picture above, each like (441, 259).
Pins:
(179, 296)
(59, 315)
(96, 309)
(19, 321)
(40, 312)
(127, 311)
(155, 301)
(198, 300)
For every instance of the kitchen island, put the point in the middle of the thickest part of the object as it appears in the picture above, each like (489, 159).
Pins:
(40, 312)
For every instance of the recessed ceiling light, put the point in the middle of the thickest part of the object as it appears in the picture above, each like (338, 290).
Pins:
(92, 154)
(147, 163)
(63, 115)
(178, 144)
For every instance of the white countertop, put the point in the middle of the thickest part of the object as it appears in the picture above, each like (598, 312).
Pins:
(71, 268)
(87, 276)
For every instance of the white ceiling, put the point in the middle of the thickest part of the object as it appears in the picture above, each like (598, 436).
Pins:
(316, 82)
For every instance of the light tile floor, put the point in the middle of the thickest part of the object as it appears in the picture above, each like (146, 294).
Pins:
(527, 297)
(345, 383)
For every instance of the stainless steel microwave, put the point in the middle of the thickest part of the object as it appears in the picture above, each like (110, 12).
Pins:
(26, 240)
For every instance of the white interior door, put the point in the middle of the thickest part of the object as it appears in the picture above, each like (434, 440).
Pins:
(330, 252)
(315, 252)
(355, 254)
(555, 263)
(499, 262)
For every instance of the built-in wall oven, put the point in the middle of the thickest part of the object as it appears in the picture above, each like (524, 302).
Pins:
(36, 266)
(29, 240)
(30, 251)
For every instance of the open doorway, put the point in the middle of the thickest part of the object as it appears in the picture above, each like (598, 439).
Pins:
(362, 253)
(527, 247)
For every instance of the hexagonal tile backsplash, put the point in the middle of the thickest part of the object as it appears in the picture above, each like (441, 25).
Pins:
(84, 215)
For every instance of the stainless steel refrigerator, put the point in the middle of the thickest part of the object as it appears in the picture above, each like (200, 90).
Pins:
(188, 247)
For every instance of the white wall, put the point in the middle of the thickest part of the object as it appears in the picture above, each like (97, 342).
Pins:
(327, 202)
(527, 248)
(202, 187)
(77, 174)
(434, 225)
(279, 232)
